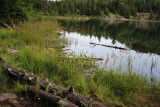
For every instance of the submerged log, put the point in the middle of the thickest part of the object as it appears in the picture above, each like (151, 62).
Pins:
(61, 33)
(6, 25)
(108, 46)
(50, 97)
(69, 95)
(53, 49)
(86, 58)
(91, 59)
(63, 28)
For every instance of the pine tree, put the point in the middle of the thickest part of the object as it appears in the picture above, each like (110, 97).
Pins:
(12, 11)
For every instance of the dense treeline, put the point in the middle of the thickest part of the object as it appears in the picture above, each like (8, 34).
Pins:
(125, 8)
(13, 10)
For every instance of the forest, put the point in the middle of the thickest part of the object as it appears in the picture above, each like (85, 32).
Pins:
(125, 8)
(13, 10)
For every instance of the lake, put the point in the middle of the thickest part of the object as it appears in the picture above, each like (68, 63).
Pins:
(141, 39)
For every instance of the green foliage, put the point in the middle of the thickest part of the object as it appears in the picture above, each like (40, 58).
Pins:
(60, 104)
(3, 80)
(13, 11)
(110, 87)
(102, 13)
(125, 8)
(19, 88)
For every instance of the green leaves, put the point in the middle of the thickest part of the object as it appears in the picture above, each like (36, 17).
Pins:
(13, 11)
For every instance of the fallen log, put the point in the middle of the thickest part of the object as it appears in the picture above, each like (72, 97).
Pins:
(86, 58)
(108, 46)
(69, 95)
(50, 97)
(6, 25)
(53, 49)
(60, 33)
(91, 59)
(63, 28)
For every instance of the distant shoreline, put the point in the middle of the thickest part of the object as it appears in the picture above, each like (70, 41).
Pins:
(100, 17)
(132, 20)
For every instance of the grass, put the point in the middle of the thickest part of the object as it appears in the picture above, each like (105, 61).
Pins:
(84, 18)
(34, 42)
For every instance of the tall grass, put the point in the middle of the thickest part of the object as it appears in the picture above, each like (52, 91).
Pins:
(34, 40)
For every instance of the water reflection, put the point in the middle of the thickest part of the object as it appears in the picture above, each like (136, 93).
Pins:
(140, 38)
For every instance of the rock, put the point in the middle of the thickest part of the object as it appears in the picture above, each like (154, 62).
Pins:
(13, 102)
(38, 98)
(13, 51)
(5, 96)
(144, 16)
(21, 99)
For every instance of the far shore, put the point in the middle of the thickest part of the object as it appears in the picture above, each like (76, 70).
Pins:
(134, 20)
(100, 17)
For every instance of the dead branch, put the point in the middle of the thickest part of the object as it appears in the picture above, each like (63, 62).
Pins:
(63, 28)
(108, 46)
(6, 25)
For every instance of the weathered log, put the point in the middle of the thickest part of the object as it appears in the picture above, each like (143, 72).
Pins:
(6, 25)
(63, 28)
(69, 95)
(82, 100)
(60, 33)
(91, 59)
(86, 58)
(53, 49)
(108, 46)
(50, 97)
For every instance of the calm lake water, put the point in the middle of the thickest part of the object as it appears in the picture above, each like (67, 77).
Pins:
(141, 39)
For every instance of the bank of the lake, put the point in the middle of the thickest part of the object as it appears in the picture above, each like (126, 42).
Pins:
(111, 17)
(36, 44)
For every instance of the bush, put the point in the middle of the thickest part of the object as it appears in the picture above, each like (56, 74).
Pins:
(102, 14)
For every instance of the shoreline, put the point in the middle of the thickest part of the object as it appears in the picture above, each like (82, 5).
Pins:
(102, 18)
(132, 20)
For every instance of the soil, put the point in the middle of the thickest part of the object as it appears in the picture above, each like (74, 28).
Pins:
(11, 100)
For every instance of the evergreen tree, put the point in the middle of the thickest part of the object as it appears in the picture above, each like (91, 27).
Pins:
(12, 11)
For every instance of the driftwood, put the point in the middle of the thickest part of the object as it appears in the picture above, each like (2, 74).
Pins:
(6, 25)
(86, 58)
(53, 49)
(63, 28)
(50, 97)
(69, 95)
(60, 33)
(65, 49)
(91, 59)
(108, 46)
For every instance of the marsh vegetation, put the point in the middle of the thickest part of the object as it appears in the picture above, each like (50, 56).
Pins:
(34, 45)
(34, 42)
